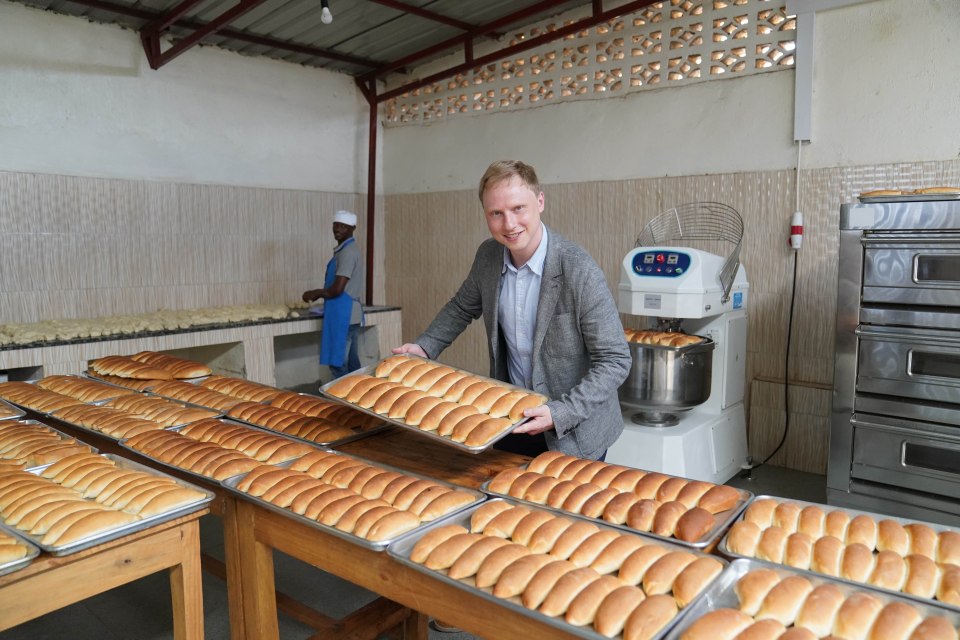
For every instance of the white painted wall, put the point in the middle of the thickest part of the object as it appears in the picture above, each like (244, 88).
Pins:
(886, 89)
(79, 98)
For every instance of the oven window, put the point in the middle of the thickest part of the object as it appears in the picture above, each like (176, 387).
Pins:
(937, 269)
(927, 457)
(941, 365)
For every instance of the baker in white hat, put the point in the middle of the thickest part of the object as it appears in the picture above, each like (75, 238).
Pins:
(343, 284)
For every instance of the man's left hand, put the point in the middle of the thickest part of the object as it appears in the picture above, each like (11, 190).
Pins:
(540, 420)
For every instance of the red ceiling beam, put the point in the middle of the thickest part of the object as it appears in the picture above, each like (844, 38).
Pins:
(596, 18)
(423, 13)
(149, 16)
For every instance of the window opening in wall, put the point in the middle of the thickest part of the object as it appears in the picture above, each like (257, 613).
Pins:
(666, 44)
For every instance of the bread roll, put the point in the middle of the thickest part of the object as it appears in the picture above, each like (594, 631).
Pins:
(455, 392)
(447, 552)
(614, 554)
(650, 617)
(856, 615)
(661, 574)
(486, 512)
(431, 421)
(753, 588)
(694, 578)
(559, 494)
(485, 401)
(575, 466)
(692, 492)
(637, 563)
(542, 461)
(744, 537)
(371, 517)
(393, 489)
(431, 377)
(469, 561)
(537, 491)
(627, 481)
(342, 387)
(949, 589)
(934, 629)
(515, 578)
(486, 431)
(419, 409)
(608, 474)
(318, 504)
(618, 508)
(923, 576)
(504, 403)
(527, 402)
(579, 496)
(412, 491)
(857, 563)
(392, 526)
(772, 545)
(503, 524)
(492, 567)
(665, 522)
(597, 503)
(649, 484)
(717, 624)
(449, 423)
(694, 525)
(761, 512)
(387, 364)
(836, 524)
(565, 589)
(819, 609)
(373, 394)
(400, 370)
(891, 536)
(543, 582)
(784, 600)
(670, 489)
(616, 608)
(425, 545)
(385, 402)
(571, 538)
(811, 522)
(948, 551)
(440, 388)
(529, 524)
(591, 547)
(889, 571)
(583, 608)
(375, 486)
(895, 622)
(827, 556)
(502, 482)
(642, 514)
(545, 537)
(797, 633)
(467, 425)
(923, 540)
(862, 530)
(786, 516)
(799, 551)
(443, 504)
(87, 526)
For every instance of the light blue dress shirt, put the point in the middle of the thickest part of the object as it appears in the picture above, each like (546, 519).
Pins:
(517, 314)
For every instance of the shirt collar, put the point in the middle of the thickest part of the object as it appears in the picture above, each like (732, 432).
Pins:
(535, 262)
(343, 244)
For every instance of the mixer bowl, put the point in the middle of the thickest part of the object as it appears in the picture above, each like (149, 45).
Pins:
(668, 379)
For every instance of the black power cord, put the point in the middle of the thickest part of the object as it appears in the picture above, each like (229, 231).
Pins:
(746, 473)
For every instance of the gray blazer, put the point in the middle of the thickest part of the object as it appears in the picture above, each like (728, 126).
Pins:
(580, 355)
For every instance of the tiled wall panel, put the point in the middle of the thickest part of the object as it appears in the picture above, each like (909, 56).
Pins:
(432, 238)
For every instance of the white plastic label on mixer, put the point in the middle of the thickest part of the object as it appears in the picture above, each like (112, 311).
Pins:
(651, 301)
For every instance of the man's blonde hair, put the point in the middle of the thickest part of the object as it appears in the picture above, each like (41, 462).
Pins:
(502, 170)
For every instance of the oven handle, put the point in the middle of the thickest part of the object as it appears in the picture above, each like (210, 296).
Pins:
(913, 336)
(909, 240)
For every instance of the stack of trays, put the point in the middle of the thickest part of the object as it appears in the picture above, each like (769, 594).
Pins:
(370, 505)
(912, 559)
(86, 499)
(452, 406)
(759, 601)
(589, 580)
(688, 512)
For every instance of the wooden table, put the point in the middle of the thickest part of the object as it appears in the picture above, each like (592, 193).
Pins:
(261, 531)
(49, 583)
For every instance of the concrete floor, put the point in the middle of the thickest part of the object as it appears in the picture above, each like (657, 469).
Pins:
(141, 610)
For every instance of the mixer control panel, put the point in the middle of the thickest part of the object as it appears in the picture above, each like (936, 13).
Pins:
(663, 264)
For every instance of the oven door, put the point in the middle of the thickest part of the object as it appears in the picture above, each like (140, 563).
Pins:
(921, 268)
(905, 362)
(904, 453)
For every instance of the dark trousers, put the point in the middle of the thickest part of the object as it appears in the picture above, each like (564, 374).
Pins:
(527, 445)
(351, 361)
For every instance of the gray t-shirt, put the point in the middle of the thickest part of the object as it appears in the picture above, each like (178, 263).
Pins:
(350, 265)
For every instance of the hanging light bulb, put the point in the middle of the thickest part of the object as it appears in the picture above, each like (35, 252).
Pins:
(325, 16)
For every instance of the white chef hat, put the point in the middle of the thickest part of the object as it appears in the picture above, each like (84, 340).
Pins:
(345, 217)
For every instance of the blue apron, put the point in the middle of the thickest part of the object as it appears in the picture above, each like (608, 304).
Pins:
(336, 319)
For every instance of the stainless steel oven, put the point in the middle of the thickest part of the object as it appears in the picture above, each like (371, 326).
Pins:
(895, 426)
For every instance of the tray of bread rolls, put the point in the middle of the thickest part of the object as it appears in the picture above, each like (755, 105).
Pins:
(926, 194)
(169, 413)
(123, 383)
(372, 505)
(88, 499)
(912, 559)
(687, 512)
(184, 391)
(32, 445)
(310, 429)
(590, 580)
(758, 601)
(29, 396)
(10, 412)
(16, 552)
(451, 406)
(108, 422)
(83, 389)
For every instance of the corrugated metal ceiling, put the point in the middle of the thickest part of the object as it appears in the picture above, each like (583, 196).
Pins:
(365, 35)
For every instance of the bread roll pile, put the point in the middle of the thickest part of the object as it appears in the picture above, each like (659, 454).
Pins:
(194, 394)
(911, 558)
(33, 397)
(792, 607)
(203, 458)
(85, 495)
(11, 549)
(562, 567)
(352, 496)
(124, 367)
(111, 422)
(293, 424)
(661, 338)
(432, 397)
(81, 389)
(165, 412)
(179, 368)
(650, 502)
(32, 444)
(257, 444)
(129, 383)
(240, 388)
(907, 192)
(319, 408)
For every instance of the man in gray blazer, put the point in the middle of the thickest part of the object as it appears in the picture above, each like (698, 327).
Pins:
(552, 325)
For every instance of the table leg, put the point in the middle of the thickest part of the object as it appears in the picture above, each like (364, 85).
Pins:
(257, 588)
(415, 627)
(231, 551)
(186, 586)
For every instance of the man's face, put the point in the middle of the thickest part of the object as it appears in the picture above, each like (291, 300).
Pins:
(513, 213)
(342, 231)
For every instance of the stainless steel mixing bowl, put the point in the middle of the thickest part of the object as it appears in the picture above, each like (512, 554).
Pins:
(668, 379)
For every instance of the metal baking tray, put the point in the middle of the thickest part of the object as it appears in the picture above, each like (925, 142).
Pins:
(722, 520)
(132, 527)
(369, 370)
(401, 552)
(231, 484)
(722, 548)
(720, 594)
(96, 377)
(15, 412)
(63, 436)
(910, 197)
(15, 565)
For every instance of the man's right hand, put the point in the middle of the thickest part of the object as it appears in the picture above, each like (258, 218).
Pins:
(310, 296)
(411, 348)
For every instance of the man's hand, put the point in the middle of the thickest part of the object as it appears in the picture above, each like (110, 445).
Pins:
(540, 420)
(312, 294)
(410, 348)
